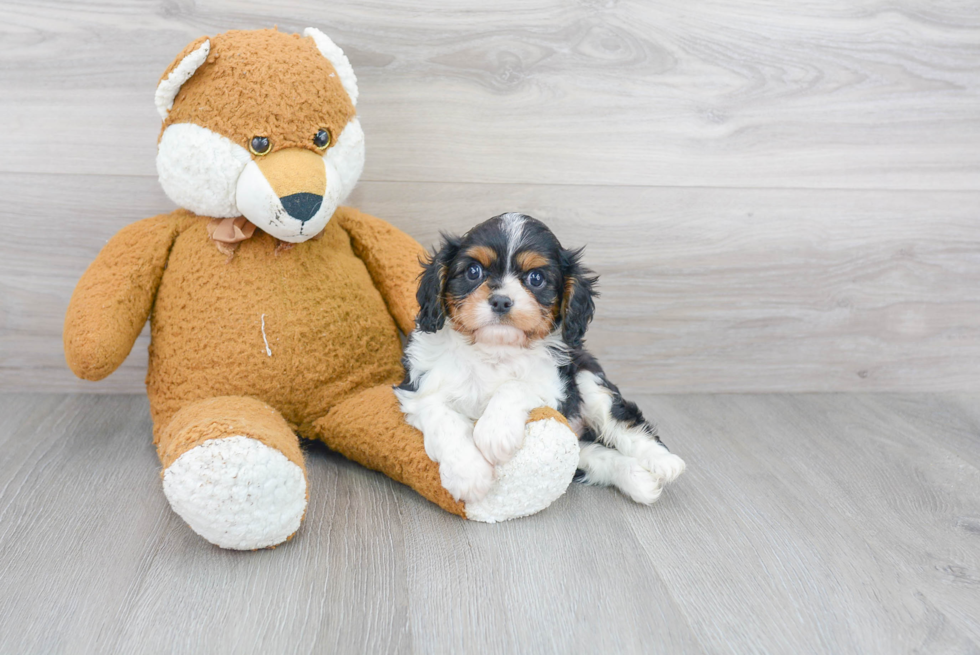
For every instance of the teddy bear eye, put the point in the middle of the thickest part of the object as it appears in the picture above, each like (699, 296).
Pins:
(322, 139)
(260, 145)
(474, 272)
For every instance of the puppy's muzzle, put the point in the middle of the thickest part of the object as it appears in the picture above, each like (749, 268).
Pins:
(500, 304)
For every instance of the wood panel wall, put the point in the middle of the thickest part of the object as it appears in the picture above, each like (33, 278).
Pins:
(777, 196)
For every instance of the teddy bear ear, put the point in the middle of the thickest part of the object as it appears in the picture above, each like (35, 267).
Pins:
(336, 56)
(181, 72)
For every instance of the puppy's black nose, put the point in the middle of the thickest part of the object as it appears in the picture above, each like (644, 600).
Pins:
(302, 206)
(500, 304)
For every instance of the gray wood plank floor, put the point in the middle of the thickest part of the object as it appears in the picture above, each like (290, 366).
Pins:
(805, 524)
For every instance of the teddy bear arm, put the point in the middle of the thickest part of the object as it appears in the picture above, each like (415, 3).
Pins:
(114, 297)
(392, 259)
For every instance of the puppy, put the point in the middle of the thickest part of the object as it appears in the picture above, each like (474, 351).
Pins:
(500, 329)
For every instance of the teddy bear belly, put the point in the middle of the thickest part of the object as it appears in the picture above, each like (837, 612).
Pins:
(296, 332)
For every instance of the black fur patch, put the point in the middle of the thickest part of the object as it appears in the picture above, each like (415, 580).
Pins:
(622, 410)
(406, 383)
(571, 406)
(432, 286)
(578, 299)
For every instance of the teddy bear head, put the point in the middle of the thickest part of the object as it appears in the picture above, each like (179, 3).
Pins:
(261, 124)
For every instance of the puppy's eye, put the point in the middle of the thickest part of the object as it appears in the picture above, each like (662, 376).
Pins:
(535, 279)
(322, 139)
(260, 145)
(474, 272)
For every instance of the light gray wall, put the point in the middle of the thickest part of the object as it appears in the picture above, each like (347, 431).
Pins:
(777, 197)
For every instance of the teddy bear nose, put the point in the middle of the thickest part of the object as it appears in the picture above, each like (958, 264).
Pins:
(500, 304)
(302, 206)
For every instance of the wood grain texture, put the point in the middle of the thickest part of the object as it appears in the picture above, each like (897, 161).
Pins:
(717, 289)
(877, 95)
(805, 524)
(778, 198)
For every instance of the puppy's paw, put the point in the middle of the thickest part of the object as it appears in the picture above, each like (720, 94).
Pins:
(640, 484)
(466, 475)
(668, 466)
(499, 435)
(659, 461)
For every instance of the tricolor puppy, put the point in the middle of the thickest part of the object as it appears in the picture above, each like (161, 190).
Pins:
(503, 313)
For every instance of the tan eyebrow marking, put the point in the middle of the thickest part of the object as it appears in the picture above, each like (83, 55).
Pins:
(530, 259)
(482, 254)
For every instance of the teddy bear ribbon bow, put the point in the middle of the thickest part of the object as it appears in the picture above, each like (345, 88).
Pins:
(228, 232)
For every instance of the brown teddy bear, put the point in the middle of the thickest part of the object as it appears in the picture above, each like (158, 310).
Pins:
(274, 310)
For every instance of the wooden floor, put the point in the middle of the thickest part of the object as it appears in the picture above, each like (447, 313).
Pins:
(805, 524)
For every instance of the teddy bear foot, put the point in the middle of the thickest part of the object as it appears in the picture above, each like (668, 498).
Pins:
(537, 475)
(237, 493)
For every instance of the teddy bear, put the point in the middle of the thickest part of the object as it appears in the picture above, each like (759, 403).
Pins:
(275, 312)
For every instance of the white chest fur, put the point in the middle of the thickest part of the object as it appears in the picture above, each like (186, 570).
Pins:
(465, 376)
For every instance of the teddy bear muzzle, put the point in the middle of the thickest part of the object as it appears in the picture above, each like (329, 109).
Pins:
(284, 194)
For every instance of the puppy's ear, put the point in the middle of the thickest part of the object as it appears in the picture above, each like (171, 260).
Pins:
(432, 286)
(578, 301)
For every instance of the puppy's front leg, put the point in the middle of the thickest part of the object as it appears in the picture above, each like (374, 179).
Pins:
(448, 439)
(500, 431)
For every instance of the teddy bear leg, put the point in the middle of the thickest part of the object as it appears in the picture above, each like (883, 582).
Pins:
(370, 429)
(233, 470)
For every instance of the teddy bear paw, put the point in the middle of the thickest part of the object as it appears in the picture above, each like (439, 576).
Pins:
(237, 493)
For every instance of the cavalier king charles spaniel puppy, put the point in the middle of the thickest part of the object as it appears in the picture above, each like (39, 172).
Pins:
(503, 313)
